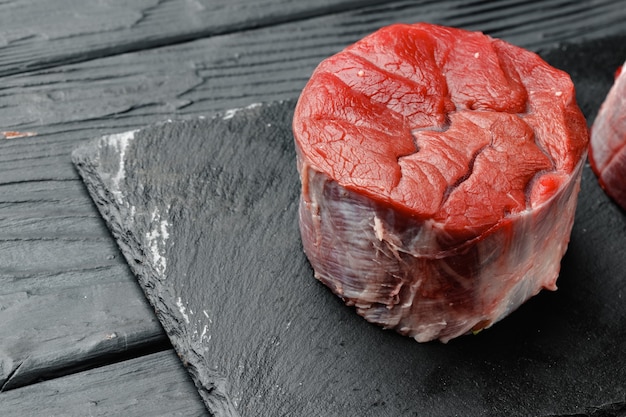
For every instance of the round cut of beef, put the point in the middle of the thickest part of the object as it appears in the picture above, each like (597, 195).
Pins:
(607, 153)
(440, 170)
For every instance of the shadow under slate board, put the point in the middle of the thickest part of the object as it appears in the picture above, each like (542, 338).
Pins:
(205, 212)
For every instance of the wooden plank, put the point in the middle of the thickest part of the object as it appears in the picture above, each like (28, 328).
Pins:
(271, 63)
(154, 385)
(51, 332)
(43, 207)
(66, 295)
(35, 34)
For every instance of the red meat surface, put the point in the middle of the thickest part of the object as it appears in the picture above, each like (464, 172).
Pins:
(435, 162)
(608, 142)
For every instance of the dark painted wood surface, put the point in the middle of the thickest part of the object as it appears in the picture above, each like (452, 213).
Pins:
(206, 214)
(37, 35)
(72, 71)
(150, 385)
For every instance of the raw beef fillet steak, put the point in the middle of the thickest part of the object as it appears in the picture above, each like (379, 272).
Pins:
(440, 170)
(607, 153)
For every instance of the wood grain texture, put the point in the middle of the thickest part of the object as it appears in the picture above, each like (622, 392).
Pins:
(35, 35)
(270, 63)
(153, 385)
(66, 296)
(98, 321)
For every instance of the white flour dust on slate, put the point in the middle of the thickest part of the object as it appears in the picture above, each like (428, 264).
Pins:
(120, 142)
(156, 242)
(229, 114)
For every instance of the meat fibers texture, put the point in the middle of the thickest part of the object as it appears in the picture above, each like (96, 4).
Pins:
(440, 170)
(607, 153)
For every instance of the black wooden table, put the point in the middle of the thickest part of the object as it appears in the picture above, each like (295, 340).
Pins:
(77, 336)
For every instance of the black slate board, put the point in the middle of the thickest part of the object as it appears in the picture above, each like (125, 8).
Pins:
(205, 213)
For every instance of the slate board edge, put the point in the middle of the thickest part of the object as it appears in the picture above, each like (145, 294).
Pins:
(85, 158)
